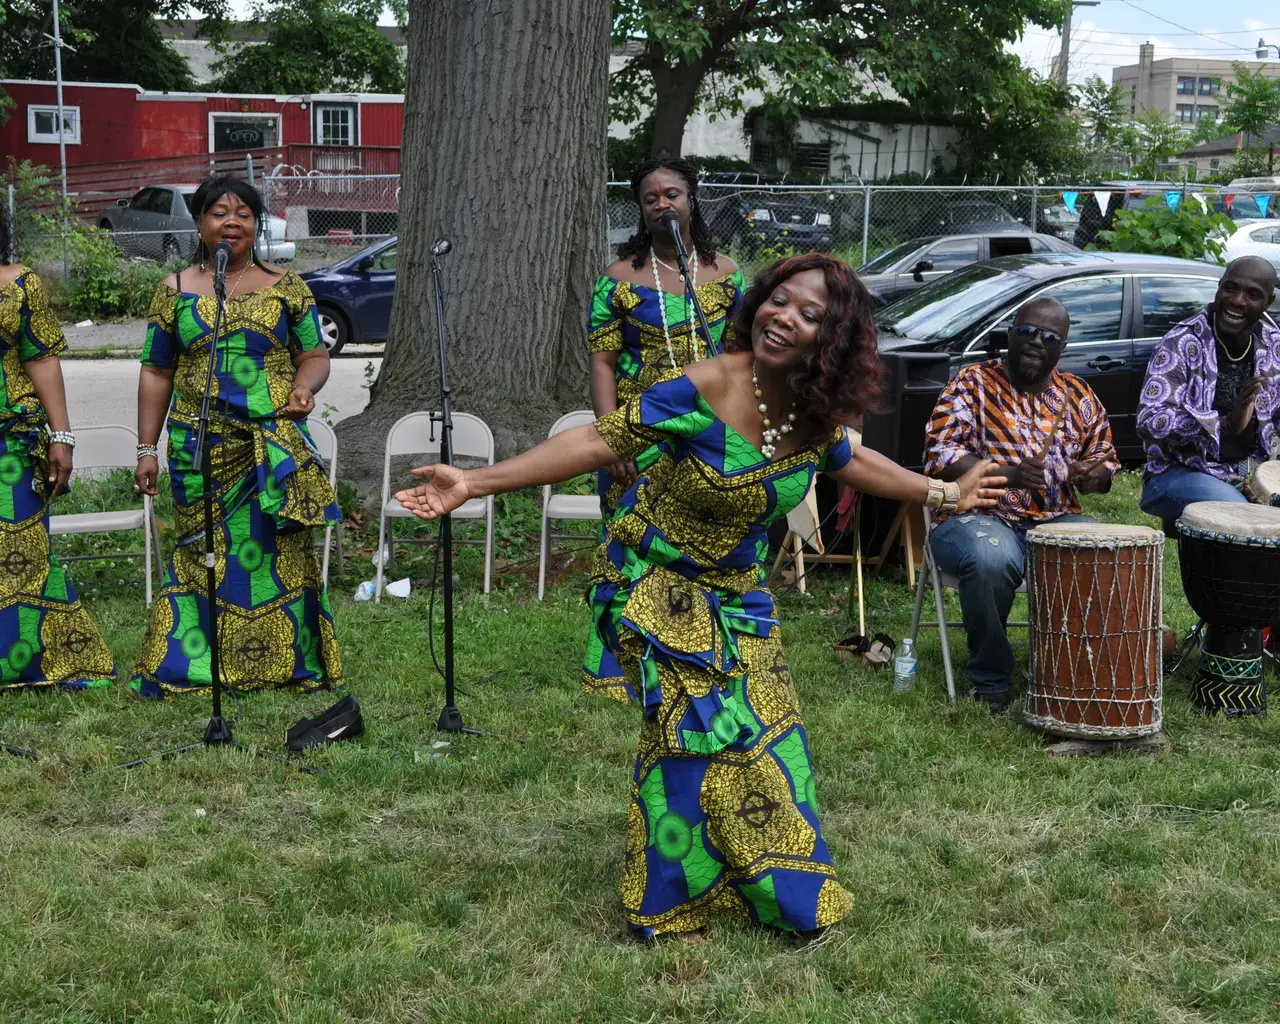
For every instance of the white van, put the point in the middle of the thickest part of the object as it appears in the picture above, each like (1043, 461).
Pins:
(1271, 184)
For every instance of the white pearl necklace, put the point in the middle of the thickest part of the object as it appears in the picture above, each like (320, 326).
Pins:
(771, 435)
(662, 305)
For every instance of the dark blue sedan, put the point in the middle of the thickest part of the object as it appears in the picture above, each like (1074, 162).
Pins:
(354, 296)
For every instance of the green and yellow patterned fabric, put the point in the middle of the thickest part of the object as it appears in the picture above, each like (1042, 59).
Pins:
(724, 816)
(270, 490)
(46, 637)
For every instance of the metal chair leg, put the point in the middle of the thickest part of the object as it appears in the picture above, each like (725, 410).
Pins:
(543, 554)
(943, 633)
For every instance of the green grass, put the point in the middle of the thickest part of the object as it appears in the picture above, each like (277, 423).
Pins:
(993, 883)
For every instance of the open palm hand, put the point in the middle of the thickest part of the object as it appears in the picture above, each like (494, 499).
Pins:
(445, 489)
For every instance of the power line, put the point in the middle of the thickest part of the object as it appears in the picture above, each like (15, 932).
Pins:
(1191, 31)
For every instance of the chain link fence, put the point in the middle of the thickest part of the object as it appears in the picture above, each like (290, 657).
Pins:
(316, 218)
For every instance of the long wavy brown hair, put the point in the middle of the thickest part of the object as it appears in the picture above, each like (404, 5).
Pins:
(840, 378)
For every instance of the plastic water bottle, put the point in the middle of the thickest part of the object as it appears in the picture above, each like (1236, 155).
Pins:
(364, 592)
(904, 667)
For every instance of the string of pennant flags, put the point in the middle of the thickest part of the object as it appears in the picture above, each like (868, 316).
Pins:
(1072, 199)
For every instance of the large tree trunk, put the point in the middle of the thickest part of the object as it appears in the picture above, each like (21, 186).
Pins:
(504, 155)
(675, 91)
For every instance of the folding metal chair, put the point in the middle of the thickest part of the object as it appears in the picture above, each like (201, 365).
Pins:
(327, 445)
(111, 447)
(418, 433)
(564, 506)
(929, 572)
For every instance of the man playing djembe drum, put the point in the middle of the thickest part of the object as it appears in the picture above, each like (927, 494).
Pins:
(1210, 407)
(1051, 431)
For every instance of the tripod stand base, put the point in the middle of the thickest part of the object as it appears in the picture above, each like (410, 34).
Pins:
(218, 733)
(451, 721)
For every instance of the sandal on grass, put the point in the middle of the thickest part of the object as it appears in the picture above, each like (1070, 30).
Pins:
(851, 646)
(880, 650)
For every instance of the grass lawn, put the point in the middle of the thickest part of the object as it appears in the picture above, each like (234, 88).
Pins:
(993, 884)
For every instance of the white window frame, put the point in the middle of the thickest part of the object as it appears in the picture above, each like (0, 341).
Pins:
(246, 115)
(71, 138)
(353, 109)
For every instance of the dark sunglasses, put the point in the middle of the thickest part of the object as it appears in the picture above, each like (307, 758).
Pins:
(1050, 338)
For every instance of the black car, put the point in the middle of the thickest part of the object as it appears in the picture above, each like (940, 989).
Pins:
(1121, 305)
(968, 216)
(913, 264)
(743, 221)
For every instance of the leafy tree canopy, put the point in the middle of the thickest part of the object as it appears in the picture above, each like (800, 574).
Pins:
(314, 46)
(798, 53)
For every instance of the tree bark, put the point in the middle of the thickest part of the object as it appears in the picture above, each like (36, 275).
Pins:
(504, 155)
(675, 91)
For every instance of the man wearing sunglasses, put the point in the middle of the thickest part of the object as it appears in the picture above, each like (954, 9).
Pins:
(1051, 432)
(1210, 406)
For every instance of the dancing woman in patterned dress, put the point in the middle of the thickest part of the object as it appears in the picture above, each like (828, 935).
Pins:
(270, 486)
(724, 814)
(642, 325)
(46, 637)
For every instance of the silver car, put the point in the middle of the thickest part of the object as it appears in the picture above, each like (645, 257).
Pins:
(156, 223)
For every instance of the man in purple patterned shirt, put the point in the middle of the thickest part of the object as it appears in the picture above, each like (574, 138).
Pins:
(1210, 407)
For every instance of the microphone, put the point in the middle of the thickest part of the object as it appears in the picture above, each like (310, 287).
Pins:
(440, 246)
(221, 257)
(672, 220)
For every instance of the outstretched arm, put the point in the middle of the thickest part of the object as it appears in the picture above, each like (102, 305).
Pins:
(556, 459)
(870, 472)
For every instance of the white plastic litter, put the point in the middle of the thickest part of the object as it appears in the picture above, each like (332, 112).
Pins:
(382, 559)
(85, 323)
(201, 812)
(364, 592)
(400, 588)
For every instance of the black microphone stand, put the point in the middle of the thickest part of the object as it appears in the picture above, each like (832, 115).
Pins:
(682, 260)
(450, 718)
(29, 753)
(217, 732)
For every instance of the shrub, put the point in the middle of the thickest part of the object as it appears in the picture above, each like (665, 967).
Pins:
(1186, 231)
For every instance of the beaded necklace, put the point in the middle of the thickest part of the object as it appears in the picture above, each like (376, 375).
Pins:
(662, 306)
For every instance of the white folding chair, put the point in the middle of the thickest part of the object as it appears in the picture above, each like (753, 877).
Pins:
(419, 434)
(564, 506)
(327, 445)
(929, 571)
(110, 447)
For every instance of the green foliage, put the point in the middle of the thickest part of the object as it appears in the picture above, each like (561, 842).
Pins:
(799, 53)
(315, 46)
(1149, 142)
(1252, 104)
(113, 40)
(1186, 232)
(1104, 108)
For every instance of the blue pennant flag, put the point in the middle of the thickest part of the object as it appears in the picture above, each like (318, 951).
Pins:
(1070, 199)
(1263, 203)
(1173, 198)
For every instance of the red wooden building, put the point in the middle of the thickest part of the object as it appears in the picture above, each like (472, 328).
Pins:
(115, 123)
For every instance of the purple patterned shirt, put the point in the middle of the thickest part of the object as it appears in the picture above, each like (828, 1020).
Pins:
(1176, 420)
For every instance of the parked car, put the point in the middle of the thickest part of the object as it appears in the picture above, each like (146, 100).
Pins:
(1055, 219)
(1120, 306)
(913, 264)
(775, 219)
(156, 223)
(966, 217)
(1261, 238)
(353, 296)
(1243, 209)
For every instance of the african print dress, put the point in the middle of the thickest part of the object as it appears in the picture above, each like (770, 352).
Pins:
(270, 489)
(724, 817)
(46, 637)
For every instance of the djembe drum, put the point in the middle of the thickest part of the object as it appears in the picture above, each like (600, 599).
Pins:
(1229, 554)
(1093, 603)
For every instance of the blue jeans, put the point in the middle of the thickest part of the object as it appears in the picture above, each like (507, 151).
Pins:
(1166, 494)
(988, 556)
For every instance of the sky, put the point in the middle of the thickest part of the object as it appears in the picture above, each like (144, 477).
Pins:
(1108, 35)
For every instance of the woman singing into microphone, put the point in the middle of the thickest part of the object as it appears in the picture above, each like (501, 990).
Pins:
(643, 325)
(270, 486)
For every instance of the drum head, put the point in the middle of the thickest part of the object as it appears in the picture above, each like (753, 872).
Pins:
(1092, 535)
(1232, 520)
(1264, 484)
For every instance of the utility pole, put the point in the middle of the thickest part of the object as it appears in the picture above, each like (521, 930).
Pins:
(1064, 54)
(62, 132)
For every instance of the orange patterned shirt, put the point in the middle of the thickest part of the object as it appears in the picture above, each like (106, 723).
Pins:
(981, 413)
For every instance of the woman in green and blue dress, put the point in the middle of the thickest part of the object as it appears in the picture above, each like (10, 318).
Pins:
(46, 637)
(642, 325)
(724, 809)
(271, 488)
